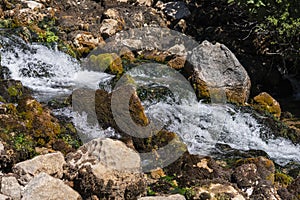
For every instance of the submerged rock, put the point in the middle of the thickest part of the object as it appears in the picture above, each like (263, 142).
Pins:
(216, 73)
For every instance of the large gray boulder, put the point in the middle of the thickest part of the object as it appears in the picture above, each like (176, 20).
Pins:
(46, 187)
(106, 168)
(216, 73)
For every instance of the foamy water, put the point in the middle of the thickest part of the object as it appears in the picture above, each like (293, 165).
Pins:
(50, 73)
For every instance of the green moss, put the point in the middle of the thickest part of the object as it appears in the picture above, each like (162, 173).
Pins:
(2, 99)
(13, 91)
(283, 179)
(109, 62)
(24, 144)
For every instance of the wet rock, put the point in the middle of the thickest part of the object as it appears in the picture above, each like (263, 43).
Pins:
(99, 168)
(51, 164)
(217, 191)
(266, 102)
(44, 186)
(12, 90)
(216, 73)
(108, 62)
(104, 113)
(11, 187)
(167, 197)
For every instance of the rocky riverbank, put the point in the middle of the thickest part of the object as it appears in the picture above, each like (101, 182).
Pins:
(42, 155)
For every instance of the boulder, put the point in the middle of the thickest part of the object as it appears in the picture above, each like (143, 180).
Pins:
(12, 90)
(11, 187)
(216, 73)
(51, 164)
(108, 62)
(266, 102)
(109, 27)
(45, 187)
(99, 168)
(4, 197)
(217, 191)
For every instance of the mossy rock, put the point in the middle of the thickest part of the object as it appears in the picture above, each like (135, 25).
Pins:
(108, 62)
(266, 102)
(13, 90)
(266, 167)
(283, 179)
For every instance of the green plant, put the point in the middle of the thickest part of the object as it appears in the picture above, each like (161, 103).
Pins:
(48, 36)
(277, 25)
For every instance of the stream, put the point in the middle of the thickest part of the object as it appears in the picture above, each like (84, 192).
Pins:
(52, 74)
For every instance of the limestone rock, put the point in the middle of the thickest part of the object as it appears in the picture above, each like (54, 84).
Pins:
(11, 187)
(218, 191)
(51, 164)
(215, 72)
(145, 2)
(170, 197)
(106, 167)
(4, 197)
(109, 27)
(45, 187)
(266, 102)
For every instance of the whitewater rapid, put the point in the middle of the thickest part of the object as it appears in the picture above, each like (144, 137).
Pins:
(51, 73)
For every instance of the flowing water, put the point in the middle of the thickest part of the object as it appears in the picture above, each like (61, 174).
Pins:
(51, 74)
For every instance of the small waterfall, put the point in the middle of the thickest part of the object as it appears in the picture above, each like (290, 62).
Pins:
(51, 73)
(202, 126)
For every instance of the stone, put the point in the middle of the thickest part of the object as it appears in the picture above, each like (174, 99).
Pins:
(246, 175)
(216, 73)
(218, 191)
(109, 152)
(170, 197)
(44, 187)
(145, 2)
(99, 168)
(12, 90)
(11, 187)
(109, 27)
(175, 9)
(51, 164)
(266, 102)
(177, 63)
(108, 62)
(4, 197)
